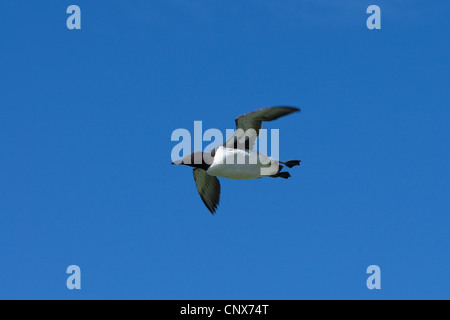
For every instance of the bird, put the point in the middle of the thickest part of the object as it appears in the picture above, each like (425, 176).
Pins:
(220, 161)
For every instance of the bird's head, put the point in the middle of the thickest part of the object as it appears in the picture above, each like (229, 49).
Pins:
(195, 160)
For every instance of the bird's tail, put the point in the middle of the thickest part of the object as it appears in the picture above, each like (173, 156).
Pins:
(291, 163)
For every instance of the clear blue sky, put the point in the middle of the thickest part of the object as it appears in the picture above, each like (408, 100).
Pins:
(85, 123)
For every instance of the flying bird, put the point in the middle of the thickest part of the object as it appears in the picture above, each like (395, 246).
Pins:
(235, 159)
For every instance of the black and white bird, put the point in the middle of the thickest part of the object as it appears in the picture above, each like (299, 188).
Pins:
(235, 159)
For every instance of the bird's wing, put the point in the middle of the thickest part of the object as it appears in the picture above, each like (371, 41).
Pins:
(208, 187)
(249, 124)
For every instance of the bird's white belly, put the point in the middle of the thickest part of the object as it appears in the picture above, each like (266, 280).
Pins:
(242, 165)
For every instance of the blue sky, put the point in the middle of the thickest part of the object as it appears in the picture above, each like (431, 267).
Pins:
(86, 118)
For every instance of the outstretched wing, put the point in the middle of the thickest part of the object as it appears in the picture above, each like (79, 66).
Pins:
(249, 124)
(208, 187)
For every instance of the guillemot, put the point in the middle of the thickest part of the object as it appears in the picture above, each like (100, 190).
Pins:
(220, 162)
